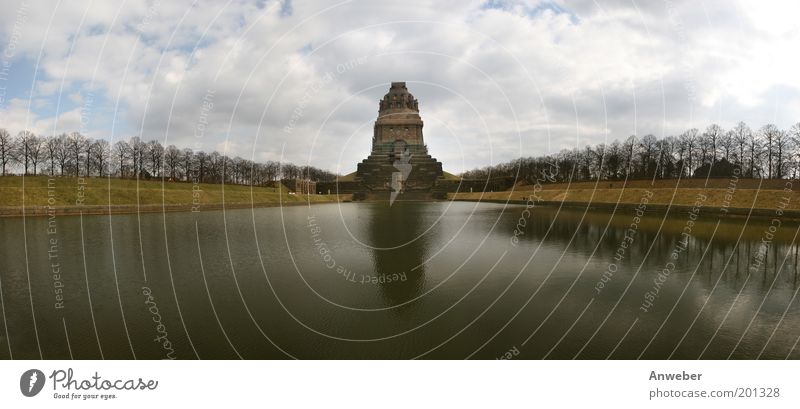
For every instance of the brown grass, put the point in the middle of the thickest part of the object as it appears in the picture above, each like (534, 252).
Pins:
(746, 194)
(66, 191)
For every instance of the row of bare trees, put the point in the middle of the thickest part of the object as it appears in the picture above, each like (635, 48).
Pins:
(769, 152)
(74, 154)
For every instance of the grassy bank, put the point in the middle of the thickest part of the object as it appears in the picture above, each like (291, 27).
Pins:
(747, 193)
(68, 192)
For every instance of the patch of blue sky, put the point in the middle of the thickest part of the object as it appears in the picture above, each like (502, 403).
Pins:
(306, 49)
(286, 8)
(16, 79)
(530, 11)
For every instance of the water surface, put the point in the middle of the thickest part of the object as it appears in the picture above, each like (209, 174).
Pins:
(412, 280)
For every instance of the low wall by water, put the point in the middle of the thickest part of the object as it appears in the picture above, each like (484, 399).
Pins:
(651, 208)
(475, 185)
(38, 211)
(332, 188)
(439, 191)
(128, 209)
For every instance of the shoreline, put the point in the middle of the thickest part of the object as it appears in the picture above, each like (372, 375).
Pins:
(652, 208)
(101, 210)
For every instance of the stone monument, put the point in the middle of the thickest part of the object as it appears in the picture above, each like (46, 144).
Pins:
(399, 166)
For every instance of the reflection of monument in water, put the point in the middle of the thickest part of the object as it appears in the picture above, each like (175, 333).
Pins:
(399, 166)
(401, 247)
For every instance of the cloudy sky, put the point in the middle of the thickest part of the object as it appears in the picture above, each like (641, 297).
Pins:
(300, 80)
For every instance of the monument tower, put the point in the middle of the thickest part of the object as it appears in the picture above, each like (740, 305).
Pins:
(399, 166)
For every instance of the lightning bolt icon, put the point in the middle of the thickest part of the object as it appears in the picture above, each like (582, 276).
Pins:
(32, 381)
(398, 178)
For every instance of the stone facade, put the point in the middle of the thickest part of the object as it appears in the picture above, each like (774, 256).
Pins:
(399, 164)
(301, 186)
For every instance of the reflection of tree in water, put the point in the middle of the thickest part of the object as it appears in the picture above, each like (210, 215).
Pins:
(728, 253)
(400, 270)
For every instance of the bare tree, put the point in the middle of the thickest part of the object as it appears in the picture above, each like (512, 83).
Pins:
(272, 171)
(121, 151)
(35, 151)
(769, 133)
(155, 152)
(74, 154)
(794, 134)
(754, 151)
(629, 148)
(613, 161)
(138, 149)
(666, 157)
(726, 145)
(187, 161)
(598, 160)
(649, 154)
(25, 141)
(51, 152)
(62, 153)
(711, 138)
(782, 144)
(689, 141)
(88, 152)
(215, 167)
(172, 160)
(202, 166)
(101, 152)
(7, 149)
(75, 146)
(741, 137)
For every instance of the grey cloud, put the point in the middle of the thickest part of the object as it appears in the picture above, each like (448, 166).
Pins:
(487, 80)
